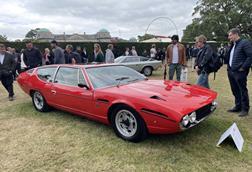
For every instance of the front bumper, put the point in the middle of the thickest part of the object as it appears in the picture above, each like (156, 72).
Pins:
(201, 115)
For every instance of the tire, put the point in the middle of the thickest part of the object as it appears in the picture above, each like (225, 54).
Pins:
(147, 71)
(39, 102)
(127, 124)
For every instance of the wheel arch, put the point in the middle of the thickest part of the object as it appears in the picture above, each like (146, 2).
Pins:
(114, 106)
(146, 67)
(31, 92)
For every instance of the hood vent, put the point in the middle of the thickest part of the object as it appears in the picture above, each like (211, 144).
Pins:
(157, 98)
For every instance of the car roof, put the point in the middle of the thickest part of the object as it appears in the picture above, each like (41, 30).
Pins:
(82, 66)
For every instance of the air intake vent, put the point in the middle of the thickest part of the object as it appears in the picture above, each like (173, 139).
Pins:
(157, 98)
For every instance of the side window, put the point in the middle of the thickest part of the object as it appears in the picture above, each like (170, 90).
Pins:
(132, 59)
(144, 59)
(67, 76)
(46, 74)
(81, 78)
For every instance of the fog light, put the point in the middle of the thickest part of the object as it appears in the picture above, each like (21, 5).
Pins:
(192, 117)
(214, 105)
(185, 120)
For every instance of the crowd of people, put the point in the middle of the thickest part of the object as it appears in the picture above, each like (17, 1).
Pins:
(204, 60)
(32, 57)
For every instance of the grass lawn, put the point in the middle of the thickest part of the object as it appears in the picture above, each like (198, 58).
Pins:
(60, 141)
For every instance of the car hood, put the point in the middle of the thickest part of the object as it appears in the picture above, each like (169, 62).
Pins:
(178, 96)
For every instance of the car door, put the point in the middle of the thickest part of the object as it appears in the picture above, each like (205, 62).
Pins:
(46, 75)
(68, 95)
(133, 62)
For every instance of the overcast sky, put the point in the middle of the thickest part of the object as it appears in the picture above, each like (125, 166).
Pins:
(122, 18)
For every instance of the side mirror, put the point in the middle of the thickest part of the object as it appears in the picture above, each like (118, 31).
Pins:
(83, 86)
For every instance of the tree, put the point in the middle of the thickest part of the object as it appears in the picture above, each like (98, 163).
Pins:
(32, 34)
(217, 17)
(3, 38)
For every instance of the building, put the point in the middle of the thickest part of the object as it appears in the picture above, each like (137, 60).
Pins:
(44, 35)
(159, 39)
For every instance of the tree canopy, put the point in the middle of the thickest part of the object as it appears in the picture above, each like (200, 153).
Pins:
(3, 38)
(32, 34)
(214, 18)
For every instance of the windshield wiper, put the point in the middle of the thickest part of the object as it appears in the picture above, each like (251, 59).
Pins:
(133, 80)
(121, 79)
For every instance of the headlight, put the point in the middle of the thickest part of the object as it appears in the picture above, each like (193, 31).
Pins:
(214, 105)
(192, 117)
(185, 120)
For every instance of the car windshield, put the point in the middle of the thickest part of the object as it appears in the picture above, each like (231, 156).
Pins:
(107, 76)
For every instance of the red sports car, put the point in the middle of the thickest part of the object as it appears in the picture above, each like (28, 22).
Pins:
(119, 96)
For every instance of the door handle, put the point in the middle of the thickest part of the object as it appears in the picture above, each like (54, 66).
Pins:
(53, 91)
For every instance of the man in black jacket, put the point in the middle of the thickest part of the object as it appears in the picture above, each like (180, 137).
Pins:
(32, 56)
(7, 66)
(202, 61)
(239, 60)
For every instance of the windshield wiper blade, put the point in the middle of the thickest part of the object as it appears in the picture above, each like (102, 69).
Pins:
(133, 80)
(122, 78)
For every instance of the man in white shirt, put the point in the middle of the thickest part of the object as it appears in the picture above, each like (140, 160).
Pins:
(133, 51)
(239, 59)
(153, 51)
(175, 57)
(109, 56)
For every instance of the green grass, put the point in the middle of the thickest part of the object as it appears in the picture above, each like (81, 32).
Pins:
(60, 141)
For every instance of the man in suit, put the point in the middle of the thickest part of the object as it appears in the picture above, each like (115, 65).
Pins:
(7, 66)
(239, 58)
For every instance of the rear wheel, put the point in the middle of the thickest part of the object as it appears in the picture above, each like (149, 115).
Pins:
(128, 125)
(147, 71)
(39, 102)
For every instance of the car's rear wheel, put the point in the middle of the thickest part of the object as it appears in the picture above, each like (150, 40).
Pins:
(147, 71)
(128, 125)
(39, 102)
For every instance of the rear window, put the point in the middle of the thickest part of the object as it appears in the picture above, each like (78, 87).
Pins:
(46, 74)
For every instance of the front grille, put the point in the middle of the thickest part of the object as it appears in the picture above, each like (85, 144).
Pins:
(203, 112)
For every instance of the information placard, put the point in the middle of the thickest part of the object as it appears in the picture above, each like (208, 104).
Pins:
(235, 134)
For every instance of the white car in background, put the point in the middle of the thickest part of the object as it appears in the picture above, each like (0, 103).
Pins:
(141, 64)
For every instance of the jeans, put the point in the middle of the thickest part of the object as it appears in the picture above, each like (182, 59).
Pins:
(175, 67)
(238, 84)
(203, 80)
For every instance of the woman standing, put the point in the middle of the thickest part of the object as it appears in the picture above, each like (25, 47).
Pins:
(48, 57)
(98, 54)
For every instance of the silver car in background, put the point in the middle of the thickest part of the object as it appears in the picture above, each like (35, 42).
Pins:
(141, 64)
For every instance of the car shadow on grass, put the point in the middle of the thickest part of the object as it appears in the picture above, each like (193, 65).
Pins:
(205, 133)
(192, 133)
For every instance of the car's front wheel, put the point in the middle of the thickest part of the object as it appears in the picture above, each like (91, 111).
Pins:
(147, 71)
(128, 125)
(39, 102)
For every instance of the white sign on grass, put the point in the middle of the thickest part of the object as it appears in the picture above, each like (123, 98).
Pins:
(235, 134)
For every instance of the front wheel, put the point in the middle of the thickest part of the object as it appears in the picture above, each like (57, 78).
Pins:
(128, 125)
(147, 71)
(39, 102)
